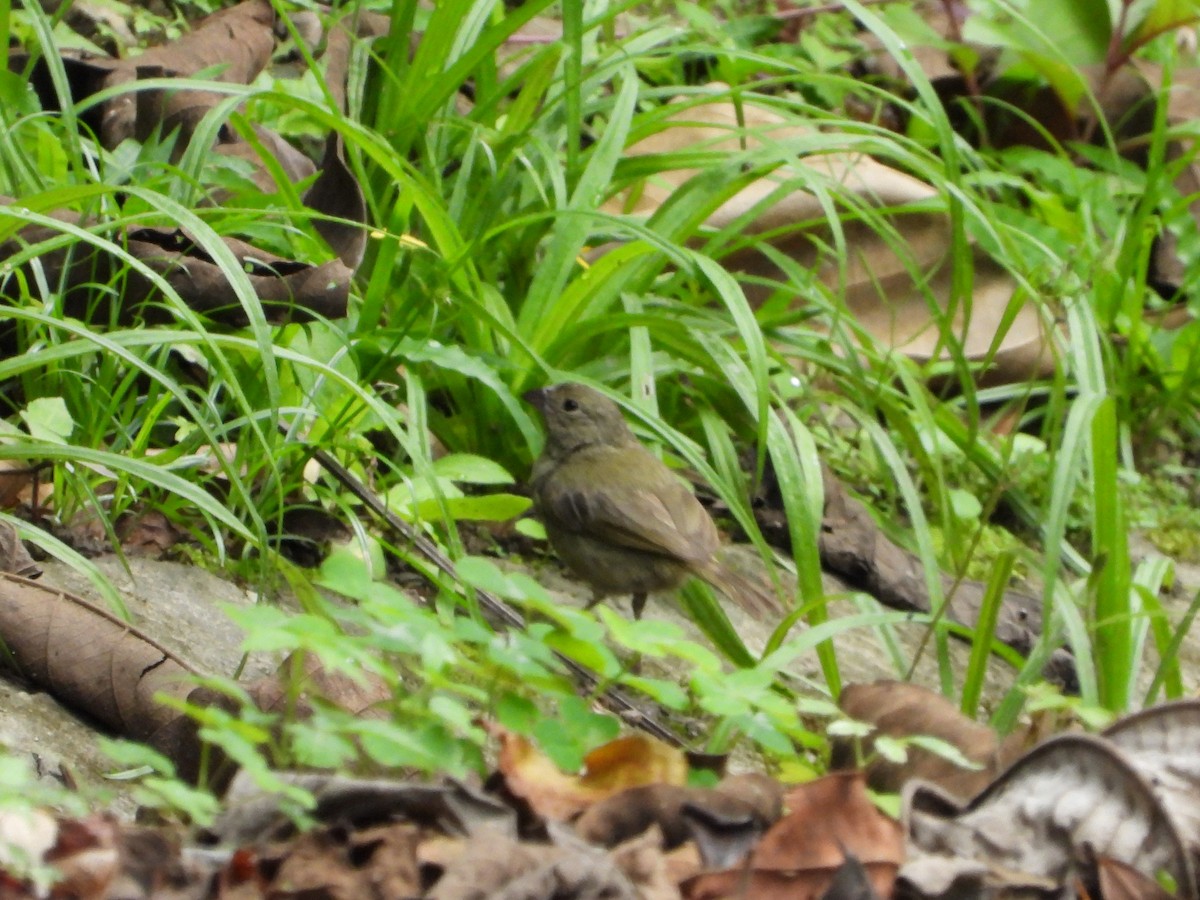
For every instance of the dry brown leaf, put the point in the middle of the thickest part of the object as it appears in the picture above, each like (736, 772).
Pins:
(728, 824)
(500, 868)
(330, 863)
(1118, 881)
(633, 760)
(949, 878)
(901, 710)
(852, 881)
(826, 820)
(625, 762)
(387, 854)
(530, 775)
(240, 878)
(848, 822)
(749, 801)
(252, 815)
(103, 25)
(152, 864)
(294, 165)
(87, 856)
(14, 558)
(287, 290)
(436, 853)
(89, 659)
(684, 863)
(147, 533)
(107, 669)
(897, 314)
(809, 883)
(631, 812)
(336, 193)
(643, 862)
(238, 41)
(15, 476)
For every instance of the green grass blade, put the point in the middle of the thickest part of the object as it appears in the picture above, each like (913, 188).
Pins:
(542, 317)
(985, 629)
(702, 606)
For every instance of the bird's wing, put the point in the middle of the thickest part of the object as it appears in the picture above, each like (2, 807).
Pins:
(643, 507)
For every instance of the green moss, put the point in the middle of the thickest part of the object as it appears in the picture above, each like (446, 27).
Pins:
(1162, 505)
(1181, 542)
(993, 541)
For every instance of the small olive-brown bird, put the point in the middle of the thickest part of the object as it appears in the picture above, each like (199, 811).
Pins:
(618, 517)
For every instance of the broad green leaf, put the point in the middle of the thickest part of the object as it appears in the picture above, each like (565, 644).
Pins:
(472, 469)
(517, 714)
(484, 574)
(1160, 16)
(48, 419)
(589, 654)
(1071, 32)
(964, 505)
(667, 693)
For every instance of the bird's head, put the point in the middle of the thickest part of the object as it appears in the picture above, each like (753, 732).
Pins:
(578, 416)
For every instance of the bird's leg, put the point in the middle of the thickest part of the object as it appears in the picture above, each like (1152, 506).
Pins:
(639, 603)
(596, 598)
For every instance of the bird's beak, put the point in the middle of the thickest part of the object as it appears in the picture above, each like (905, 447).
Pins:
(536, 398)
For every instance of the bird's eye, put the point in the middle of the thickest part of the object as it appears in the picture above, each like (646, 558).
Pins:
(570, 405)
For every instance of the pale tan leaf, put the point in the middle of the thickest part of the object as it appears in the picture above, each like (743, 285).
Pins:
(899, 291)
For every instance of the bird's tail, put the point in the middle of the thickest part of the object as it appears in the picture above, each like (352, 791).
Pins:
(751, 590)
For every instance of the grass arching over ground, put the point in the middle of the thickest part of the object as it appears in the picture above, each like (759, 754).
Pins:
(484, 184)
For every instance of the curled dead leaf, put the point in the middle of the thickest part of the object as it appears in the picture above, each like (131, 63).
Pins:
(1160, 743)
(88, 658)
(902, 710)
(252, 815)
(743, 803)
(236, 42)
(1037, 816)
(287, 290)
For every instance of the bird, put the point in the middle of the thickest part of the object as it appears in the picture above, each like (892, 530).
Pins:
(615, 514)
